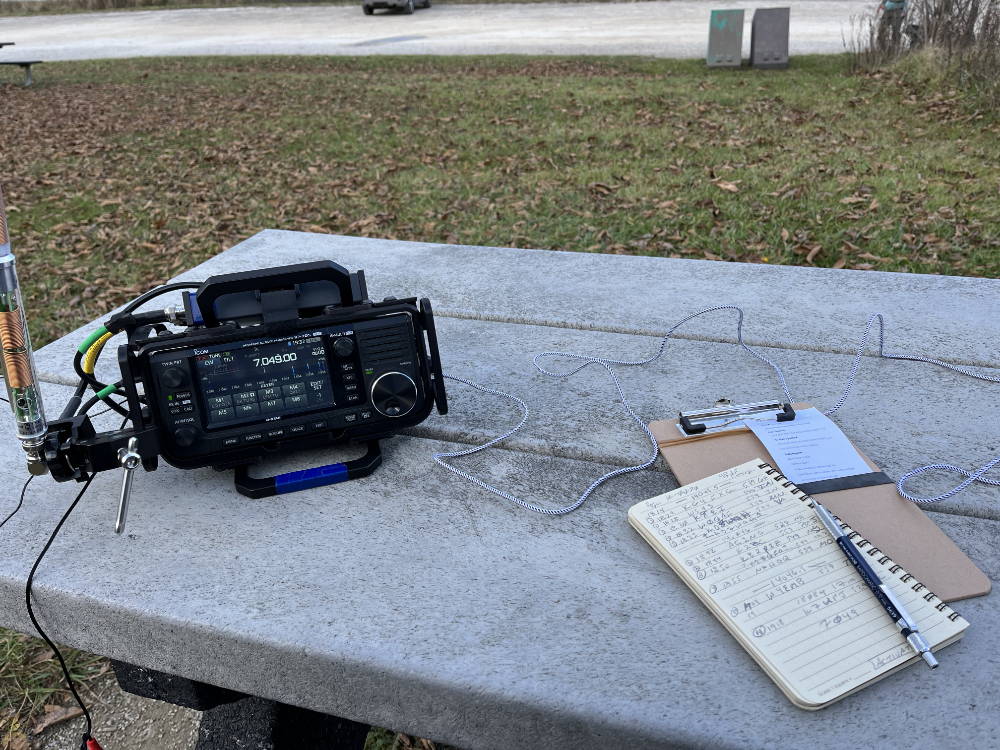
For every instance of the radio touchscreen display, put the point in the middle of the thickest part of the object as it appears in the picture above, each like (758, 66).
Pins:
(247, 383)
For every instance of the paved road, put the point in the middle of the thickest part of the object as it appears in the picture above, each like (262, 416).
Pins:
(662, 29)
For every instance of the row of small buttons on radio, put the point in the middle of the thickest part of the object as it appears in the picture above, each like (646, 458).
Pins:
(265, 394)
(180, 403)
(269, 407)
(292, 431)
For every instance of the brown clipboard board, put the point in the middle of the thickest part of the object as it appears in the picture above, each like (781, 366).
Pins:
(892, 523)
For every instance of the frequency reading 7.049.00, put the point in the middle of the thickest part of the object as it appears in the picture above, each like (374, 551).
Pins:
(277, 359)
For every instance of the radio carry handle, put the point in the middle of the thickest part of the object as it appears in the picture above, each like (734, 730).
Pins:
(248, 294)
(319, 476)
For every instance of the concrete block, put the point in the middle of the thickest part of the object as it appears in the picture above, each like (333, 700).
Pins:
(725, 39)
(258, 724)
(161, 686)
(769, 38)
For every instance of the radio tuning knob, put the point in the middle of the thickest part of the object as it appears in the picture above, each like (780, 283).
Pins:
(343, 346)
(394, 394)
(172, 378)
(185, 436)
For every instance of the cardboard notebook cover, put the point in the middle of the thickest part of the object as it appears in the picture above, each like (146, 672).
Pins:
(892, 523)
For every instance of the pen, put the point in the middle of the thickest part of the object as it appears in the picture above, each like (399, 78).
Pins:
(906, 624)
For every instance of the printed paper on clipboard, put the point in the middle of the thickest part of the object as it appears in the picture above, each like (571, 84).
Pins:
(810, 448)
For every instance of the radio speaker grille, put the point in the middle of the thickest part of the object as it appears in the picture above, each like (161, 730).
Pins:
(384, 345)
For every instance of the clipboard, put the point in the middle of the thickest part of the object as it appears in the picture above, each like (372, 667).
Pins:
(898, 527)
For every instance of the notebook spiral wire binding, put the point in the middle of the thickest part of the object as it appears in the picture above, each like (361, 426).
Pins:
(883, 560)
(976, 476)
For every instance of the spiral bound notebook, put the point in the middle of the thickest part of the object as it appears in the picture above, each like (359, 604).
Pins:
(901, 528)
(750, 546)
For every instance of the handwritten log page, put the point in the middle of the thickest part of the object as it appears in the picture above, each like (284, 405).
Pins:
(758, 557)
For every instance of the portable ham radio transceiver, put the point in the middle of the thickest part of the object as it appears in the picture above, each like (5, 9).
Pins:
(268, 362)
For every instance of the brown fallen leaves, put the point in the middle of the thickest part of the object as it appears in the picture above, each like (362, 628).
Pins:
(125, 175)
(729, 187)
(32, 692)
(601, 188)
(55, 715)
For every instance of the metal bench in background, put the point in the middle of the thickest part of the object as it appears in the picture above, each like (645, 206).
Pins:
(25, 65)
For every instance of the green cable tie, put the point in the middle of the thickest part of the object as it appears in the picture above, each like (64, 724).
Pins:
(89, 341)
(105, 392)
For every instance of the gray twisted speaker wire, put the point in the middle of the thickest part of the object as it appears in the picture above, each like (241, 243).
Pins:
(606, 364)
(908, 357)
(976, 476)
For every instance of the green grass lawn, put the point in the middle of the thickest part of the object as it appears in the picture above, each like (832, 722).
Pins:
(120, 174)
(30, 680)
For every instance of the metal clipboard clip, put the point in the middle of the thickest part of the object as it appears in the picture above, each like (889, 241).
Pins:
(726, 415)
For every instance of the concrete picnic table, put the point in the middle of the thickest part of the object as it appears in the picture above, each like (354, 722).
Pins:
(415, 600)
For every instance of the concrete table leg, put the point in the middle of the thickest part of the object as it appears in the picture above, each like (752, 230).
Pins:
(236, 721)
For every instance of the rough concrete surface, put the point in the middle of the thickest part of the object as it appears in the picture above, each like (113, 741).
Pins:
(123, 721)
(952, 318)
(415, 600)
(661, 29)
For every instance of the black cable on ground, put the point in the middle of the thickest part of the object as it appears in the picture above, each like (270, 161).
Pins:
(19, 504)
(34, 621)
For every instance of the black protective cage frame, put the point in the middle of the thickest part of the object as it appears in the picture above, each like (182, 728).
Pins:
(277, 302)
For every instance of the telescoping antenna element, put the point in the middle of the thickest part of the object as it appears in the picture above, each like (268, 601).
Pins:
(19, 372)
